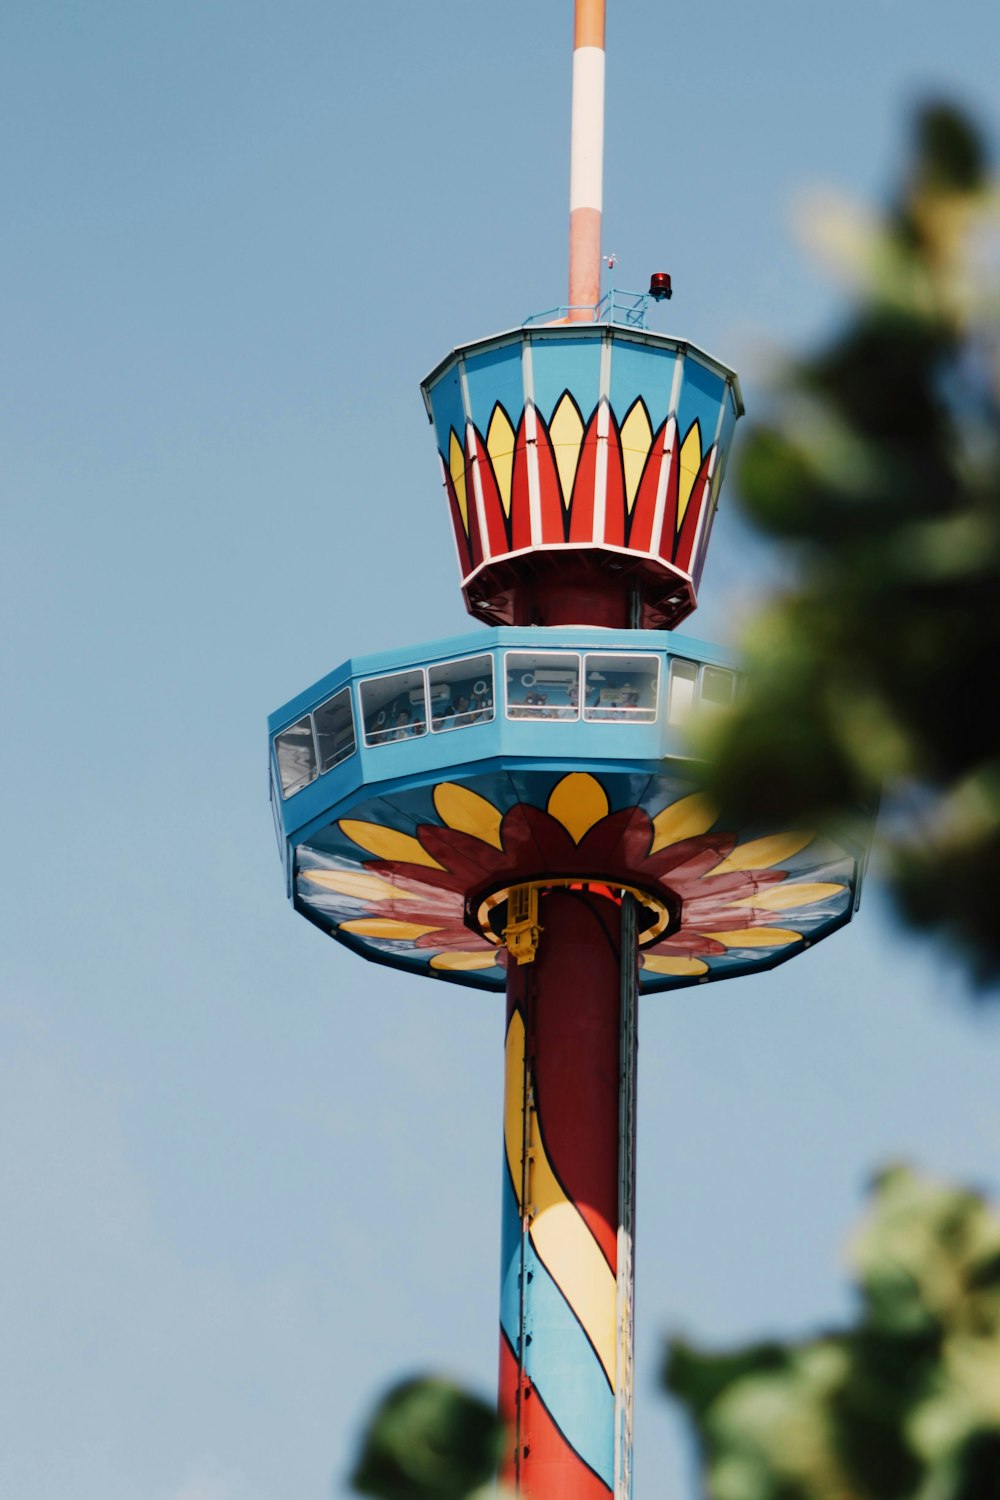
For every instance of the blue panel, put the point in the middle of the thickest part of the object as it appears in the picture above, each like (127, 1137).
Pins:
(641, 370)
(492, 377)
(572, 364)
(510, 1262)
(446, 403)
(702, 392)
(561, 1363)
(728, 424)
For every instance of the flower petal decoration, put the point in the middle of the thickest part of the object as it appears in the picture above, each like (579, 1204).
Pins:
(404, 877)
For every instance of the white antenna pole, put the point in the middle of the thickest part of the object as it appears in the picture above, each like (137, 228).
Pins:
(586, 169)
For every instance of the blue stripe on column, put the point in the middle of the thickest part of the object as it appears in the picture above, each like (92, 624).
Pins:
(560, 1360)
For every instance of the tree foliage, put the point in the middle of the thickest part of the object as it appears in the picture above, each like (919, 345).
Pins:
(428, 1440)
(878, 470)
(905, 1405)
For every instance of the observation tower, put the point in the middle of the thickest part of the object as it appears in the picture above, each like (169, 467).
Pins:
(515, 809)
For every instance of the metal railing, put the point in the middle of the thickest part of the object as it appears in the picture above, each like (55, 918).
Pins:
(628, 309)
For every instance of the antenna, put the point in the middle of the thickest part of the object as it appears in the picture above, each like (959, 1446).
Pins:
(586, 163)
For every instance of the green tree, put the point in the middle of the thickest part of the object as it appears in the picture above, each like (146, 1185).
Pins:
(905, 1405)
(428, 1440)
(874, 677)
(878, 471)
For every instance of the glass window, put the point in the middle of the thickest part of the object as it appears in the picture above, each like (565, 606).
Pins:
(680, 695)
(620, 688)
(718, 688)
(393, 708)
(461, 693)
(543, 685)
(334, 725)
(296, 756)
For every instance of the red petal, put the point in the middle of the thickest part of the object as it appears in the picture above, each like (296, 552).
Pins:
(640, 535)
(496, 521)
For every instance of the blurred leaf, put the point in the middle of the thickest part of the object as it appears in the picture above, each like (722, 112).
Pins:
(428, 1440)
(879, 468)
(905, 1405)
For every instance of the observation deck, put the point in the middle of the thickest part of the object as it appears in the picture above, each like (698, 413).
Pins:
(410, 786)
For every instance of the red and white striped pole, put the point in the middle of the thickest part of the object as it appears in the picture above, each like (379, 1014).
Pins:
(586, 169)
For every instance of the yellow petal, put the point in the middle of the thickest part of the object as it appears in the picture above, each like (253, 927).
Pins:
(385, 927)
(578, 801)
(353, 883)
(689, 461)
(785, 897)
(658, 964)
(761, 854)
(566, 432)
(683, 820)
(637, 438)
(463, 961)
(388, 843)
(467, 812)
(755, 937)
(500, 447)
(456, 467)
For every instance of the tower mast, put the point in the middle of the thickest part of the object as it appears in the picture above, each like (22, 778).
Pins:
(586, 170)
(517, 810)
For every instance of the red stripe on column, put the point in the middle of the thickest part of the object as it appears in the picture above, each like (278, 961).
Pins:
(581, 511)
(507, 1404)
(664, 543)
(644, 510)
(496, 521)
(614, 495)
(552, 1470)
(696, 504)
(461, 540)
(576, 1044)
(549, 491)
(520, 498)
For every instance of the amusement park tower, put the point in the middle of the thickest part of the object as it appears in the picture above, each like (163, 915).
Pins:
(515, 809)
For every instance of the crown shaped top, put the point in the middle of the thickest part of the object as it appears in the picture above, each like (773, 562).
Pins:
(582, 466)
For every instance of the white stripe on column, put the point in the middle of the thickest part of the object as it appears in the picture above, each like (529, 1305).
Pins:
(472, 458)
(587, 129)
(708, 509)
(603, 426)
(531, 445)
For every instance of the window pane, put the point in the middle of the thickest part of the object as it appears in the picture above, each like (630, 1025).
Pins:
(717, 687)
(543, 685)
(393, 708)
(296, 757)
(680, 698)
(334, 723)
(461, 693)
(620, 688)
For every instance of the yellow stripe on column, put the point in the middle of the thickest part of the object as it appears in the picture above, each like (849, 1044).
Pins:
(558, 1231)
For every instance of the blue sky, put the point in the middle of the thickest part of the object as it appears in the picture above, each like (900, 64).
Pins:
(246, 1180)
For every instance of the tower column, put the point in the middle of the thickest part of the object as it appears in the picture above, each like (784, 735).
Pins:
(566, 1273)
(586, 172)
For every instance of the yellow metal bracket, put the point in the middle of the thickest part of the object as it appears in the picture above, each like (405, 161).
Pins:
(522, 931)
